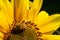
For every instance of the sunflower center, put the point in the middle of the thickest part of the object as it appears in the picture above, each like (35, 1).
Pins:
(22, 34)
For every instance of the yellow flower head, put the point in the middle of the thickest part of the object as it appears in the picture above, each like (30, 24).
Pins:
(21, 20)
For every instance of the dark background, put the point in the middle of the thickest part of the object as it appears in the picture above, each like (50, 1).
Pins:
(51, 6)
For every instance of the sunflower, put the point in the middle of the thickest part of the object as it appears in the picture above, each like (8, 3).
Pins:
(23, 20)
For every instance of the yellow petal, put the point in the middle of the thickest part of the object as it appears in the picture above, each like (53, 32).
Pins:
(2, 6)
(50, 32)
(52, 23)
(30, 3)
(50, 37)
(1, 35)
(3, 22)
(34, 9)
(8, 10)
(21, 9)
(1, 38)
(39, 20)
